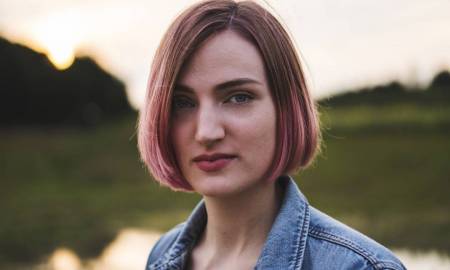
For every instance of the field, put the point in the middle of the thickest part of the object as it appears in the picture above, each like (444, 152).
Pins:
(384, 171)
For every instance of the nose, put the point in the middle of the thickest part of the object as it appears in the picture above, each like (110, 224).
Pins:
(209, 129)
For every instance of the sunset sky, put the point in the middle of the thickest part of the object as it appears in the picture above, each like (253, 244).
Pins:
(346, 44)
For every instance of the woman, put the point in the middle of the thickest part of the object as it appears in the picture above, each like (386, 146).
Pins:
(228, 115)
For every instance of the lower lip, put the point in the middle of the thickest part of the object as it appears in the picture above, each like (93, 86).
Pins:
(211, 166)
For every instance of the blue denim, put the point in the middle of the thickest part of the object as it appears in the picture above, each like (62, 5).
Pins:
(301, 237)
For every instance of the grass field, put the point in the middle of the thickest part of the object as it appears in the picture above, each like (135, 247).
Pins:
(77, 188)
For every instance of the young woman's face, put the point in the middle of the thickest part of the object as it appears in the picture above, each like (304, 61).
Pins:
(223, 118)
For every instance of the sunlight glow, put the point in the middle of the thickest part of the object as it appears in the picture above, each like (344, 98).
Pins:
(59, 35)
(64, 259)
(130, 250)
(61, 54)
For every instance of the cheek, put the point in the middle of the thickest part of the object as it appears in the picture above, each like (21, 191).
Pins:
(179, 136)
(256, 134)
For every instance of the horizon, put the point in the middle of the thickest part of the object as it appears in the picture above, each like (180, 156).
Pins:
(345, 45)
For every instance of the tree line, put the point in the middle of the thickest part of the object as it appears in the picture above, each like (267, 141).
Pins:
(34, 92)
(437, 93)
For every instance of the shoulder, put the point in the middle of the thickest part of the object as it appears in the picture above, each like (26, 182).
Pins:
(331, 241)
(164, 243)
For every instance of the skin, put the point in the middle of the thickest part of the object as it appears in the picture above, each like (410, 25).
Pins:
(210, 117)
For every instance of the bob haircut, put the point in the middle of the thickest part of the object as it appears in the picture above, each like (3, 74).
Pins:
(298, 133)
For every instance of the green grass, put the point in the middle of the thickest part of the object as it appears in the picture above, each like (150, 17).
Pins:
(77, 188)
(388, 118)
(393, 187)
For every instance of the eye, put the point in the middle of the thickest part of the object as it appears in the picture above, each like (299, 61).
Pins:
(240, 98)
(180, 103)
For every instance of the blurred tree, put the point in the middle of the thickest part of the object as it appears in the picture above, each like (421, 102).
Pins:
(442, 80)
(437, 93)
(34, 92)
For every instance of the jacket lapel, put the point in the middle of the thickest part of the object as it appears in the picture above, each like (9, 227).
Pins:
(286, 242)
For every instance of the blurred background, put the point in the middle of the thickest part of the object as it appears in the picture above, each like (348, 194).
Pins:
(74, 194)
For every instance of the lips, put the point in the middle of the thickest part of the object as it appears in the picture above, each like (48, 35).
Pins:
(212, 157)
(214, 162)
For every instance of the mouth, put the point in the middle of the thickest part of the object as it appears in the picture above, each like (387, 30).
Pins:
(213, 157)
(215, 162)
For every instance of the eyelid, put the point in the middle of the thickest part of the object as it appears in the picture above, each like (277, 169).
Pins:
(183, 98)
(178, 96)
(240, 93)
(232, 93)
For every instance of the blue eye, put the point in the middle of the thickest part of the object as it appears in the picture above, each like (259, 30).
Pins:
(240, 98)
(182, 103)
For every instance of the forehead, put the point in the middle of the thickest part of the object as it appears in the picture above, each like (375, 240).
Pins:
(223, 57)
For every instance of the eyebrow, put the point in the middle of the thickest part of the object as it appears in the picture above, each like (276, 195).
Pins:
(221, 86)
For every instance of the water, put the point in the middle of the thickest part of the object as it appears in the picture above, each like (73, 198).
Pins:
(130, 249)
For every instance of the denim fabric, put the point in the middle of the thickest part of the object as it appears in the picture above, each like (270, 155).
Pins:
(301, 237)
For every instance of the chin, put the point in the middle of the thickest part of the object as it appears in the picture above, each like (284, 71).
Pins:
(216, 186)
(223, 187)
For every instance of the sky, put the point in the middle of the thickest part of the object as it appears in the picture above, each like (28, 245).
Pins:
(345, 44)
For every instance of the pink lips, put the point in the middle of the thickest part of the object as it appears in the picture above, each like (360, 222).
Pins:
(214, 162)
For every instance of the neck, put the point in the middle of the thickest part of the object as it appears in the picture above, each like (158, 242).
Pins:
(238, 225)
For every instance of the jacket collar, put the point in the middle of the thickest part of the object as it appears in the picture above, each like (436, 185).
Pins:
(285, 244)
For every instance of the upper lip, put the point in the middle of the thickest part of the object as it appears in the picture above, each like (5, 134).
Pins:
(212, 157)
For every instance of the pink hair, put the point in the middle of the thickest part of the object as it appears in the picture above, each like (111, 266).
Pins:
(298, 133)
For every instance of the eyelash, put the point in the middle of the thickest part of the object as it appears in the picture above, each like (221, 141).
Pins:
(247, 96)
(187, 101)
(184, 100)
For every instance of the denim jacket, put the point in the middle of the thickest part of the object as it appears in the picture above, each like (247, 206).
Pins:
(301, 237)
